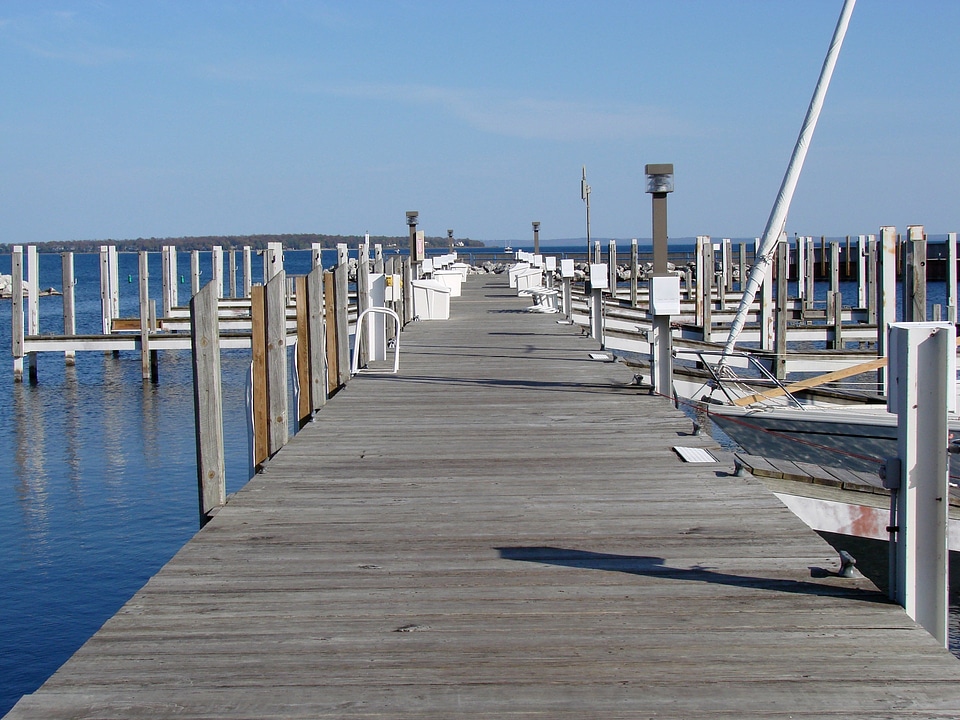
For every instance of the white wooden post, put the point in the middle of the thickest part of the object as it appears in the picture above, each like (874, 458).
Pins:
(701, 271)
(634, 271)
(247, 270)
(316, 257)
(114, 264)
(194, 272)
(952, 277)
(767, 311)
(923, 372)
(16, 311)
(105, 293)
(168, 278)
(801, 268)
(69, 303)
(887, 302)
(612, 266)
(216, 261)
(862, 252)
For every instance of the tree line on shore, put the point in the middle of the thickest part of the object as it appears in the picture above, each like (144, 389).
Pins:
(290, 241)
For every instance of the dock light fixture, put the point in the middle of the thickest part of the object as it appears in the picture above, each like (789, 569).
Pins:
(659, 183)
(450, 239)
(416, 247)
(536, 237)
(664, 286)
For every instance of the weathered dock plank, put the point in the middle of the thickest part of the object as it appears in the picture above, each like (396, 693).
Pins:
(502, 530)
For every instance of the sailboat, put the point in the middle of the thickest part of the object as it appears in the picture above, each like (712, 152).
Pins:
(773, 422)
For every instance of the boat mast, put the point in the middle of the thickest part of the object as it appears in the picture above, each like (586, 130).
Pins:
(778, 215)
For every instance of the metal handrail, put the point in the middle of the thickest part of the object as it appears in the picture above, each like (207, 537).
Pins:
(717, 373)
(355, 365)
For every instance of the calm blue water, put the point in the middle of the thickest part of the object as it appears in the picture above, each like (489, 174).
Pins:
(98, 479)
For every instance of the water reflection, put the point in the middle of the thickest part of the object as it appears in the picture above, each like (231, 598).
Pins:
(30, 458)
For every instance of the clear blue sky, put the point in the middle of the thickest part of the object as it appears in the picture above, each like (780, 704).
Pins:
(125, 119)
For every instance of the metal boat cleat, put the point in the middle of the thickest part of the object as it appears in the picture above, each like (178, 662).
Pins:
(848, 565)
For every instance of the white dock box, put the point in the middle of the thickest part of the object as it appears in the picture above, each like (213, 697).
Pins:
(451, 278)
(431, 300)
(462, 267)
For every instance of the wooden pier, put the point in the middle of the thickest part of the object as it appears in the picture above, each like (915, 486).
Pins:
(502, 529)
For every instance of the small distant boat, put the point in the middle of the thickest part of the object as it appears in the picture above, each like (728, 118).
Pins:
(507, 248)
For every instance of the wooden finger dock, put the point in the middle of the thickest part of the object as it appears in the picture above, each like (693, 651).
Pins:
(502, 530)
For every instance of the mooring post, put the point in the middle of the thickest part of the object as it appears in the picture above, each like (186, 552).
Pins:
(915, 276)
(741, 265)
(872, 270)
(247, 271)
(923, 367)
(700, 268)
(705, 289)
(634, 271)
(316, 255)
(363, 299)
(952, 277)
(207, 402)
(780, 330)
(16, 311)
(194, 272)
(378, 258)
(168, 278)
(317, 337)
(216, 262)
(330, 322)
(276, 361)
(33, 307)
(233, 272)
(341, 305)
(837, 320)
(144, 276)
(887, 257)
(808, 294)
(767, 310)
(260, 444)
(722, 278)
(612, 267)
(69, 302)
(305, 387)
(862, 289)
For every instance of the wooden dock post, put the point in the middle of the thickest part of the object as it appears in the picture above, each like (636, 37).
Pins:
(330, 323)
(16, 311)
(194, 272)
(887, 256)
(871, 279)
(169, 278)
(742, 265)
(722, 279)
(341, 302)
(705, 288)
(915, 275)
(363, 300)
(780, 331)
(207, 401)
(276, 362)
(232, 274)
(836, 317)
(317, 338)
(809, 256)
(952, 277)
(247, 271)
(767, 311)
(304, 399)
(316, 255)
(378, 258)
(258, 353)
(635, 271)
(923, 358)
(33, 307)
(216, 263)
(146, 366)
(69, 302)
(862, 251)
(612, 267)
